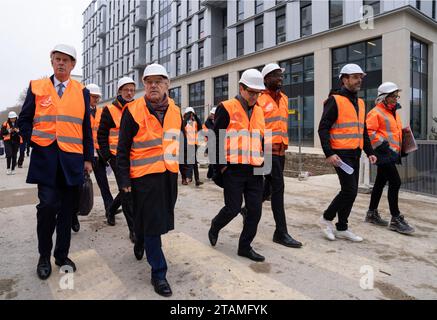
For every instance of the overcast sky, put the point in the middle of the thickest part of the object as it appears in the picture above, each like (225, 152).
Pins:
(28, 31)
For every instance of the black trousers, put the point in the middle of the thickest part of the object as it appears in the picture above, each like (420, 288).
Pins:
(343, 202)
(239, 182)
(11, 150)
(386, 173)
(55, 211)
(99, 169)
(122, 198)
(274, 186)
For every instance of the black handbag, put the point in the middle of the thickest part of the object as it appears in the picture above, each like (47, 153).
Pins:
(86, 198)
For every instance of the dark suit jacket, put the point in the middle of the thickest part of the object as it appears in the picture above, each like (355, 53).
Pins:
(50, 165)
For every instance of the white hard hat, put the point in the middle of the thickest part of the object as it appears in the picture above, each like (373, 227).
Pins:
(213, 110)
(271, 67)
(64, 48)
(351, 68)
(123, 81)
(253, 79)
(155, 69)
(12, 115)
(94, 89)
(189, 109)
(387, 87)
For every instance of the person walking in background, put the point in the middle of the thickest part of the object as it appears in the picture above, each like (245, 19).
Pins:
(12, 140)
(207, 126)
(384, 126)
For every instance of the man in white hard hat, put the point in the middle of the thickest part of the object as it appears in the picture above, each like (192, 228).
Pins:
(191, 125)
(208, 128)
(148, 164)
(343, 135)
(107, 138)
(384, 125)
(275, 106)
(56, 119)
(12, 139)
(239, 129)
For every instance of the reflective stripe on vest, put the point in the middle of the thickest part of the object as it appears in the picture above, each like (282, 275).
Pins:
(243, 136)
(347, 132)
(95, 123)
(389, 128)
(58, 118)
(276, 117)
(116, 114)
(155, 148)
(191, 133)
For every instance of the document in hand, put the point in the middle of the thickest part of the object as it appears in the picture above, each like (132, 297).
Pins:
(408, 142)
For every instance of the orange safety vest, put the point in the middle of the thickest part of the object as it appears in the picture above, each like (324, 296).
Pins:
(95, 123)
(155, 148)
(347, 132)
(116, 114)
(244, 136)
(8, 136)
(383, 126)
(191, 133)
(276, 117)
(56, 118)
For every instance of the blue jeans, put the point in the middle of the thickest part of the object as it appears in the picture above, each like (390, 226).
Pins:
(155, 256)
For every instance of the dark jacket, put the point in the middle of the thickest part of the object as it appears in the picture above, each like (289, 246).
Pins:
(329, 117)
(106, 124)
(50, 165)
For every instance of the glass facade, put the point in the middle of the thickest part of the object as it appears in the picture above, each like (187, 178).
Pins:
(175, 94)
(375, 5)
(221, 87)
(240, 40)
(306, 18)
(298, 85)
(197, 98)
(259, 33)
(164, 33)
(280, 25)
(366, 54)
(419, 89)
(335, 13)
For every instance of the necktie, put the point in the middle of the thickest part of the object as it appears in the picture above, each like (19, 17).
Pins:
(60, 90)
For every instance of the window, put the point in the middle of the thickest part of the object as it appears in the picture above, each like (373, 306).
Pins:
(419, 89)
(152, 51)
(335, 13)
(189, 8)
(178, 38)
(240, 10)
(306, 20)
(189, 32)
(375, 5)
(434, 4)
(367, 55)
(240, 40)
(259, 30)
(152, 28)
(178, 11)
(189, 65)
(197, 98)
(259, 6)
(221, 88)
(178, 64)
(175, 94)
(298, 85)
(201, 56)
(201, 26)
(280, 25)
(152, 7)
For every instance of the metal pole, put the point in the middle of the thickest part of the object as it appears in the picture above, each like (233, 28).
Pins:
(299, 128)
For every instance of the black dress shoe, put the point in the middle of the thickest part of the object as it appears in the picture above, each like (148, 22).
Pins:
(198, 183)
(286, 240)
(66, 262)
(139, 251)
(44, 268)
(252, 255)
(75, 226)
(212, 236)
(162, 287)
(110, 218)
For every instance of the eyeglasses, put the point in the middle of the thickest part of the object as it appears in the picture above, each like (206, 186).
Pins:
(252, 93)
(394, 96)
(128, 90)
(152, 82)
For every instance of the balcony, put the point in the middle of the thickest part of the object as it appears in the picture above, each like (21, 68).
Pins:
(221, 4)
(101, 30)
(140, 15)
(100, 63)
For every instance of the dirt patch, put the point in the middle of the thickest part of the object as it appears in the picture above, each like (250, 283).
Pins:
(261, 267)
(6, 286)
(10, 198)
(387, 257)
(392, 292)
(427, 286)
(417, 258)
